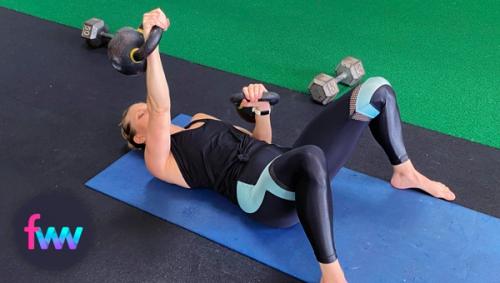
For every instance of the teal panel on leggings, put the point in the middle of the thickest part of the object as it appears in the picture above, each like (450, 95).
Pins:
(365, 94)
(250, 197)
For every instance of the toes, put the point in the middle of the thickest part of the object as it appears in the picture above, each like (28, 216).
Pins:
(451, 195)
(447, 193)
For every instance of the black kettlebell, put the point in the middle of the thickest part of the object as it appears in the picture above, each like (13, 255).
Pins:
(128, 51)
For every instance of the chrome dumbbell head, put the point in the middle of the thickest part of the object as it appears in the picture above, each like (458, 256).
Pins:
(323, 88)
(350, 71)
(95, 32)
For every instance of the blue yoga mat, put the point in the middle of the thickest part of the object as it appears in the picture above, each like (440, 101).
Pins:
(382, 234)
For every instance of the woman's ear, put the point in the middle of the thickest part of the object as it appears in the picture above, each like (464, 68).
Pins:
(139, 139)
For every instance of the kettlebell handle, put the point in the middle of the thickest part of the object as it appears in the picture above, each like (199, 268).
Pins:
(149, 46)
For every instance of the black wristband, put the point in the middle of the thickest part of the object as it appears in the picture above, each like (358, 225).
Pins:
(261, 113)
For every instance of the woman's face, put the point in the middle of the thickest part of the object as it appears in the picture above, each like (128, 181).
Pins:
(138, 117)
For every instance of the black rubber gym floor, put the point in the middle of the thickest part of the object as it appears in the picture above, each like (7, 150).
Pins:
(60, 104)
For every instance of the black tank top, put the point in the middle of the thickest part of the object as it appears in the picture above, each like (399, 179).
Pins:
(213, 155)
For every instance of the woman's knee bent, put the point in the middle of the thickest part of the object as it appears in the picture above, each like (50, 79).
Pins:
(369, 99)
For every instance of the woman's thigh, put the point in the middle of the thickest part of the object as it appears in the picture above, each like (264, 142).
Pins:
(334, 132)
(276, 177)
(273, 211)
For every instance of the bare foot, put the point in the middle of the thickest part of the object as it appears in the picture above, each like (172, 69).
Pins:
(405, 176)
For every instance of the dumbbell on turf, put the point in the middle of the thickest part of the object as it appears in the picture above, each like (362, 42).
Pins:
(324, 88)
(96, 33)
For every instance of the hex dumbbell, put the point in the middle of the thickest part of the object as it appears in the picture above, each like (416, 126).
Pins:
(96, 33)
(324, 88)
(247, 113)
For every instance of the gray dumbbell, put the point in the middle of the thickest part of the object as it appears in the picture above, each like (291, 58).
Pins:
(324, 88)
(96, 33)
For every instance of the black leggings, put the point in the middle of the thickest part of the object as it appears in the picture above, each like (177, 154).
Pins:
(315, 158)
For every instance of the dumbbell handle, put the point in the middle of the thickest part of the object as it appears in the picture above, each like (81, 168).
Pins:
(106, 35)
(340, 77)
(271, 97)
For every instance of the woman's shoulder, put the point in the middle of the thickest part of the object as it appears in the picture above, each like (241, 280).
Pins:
(200, 115)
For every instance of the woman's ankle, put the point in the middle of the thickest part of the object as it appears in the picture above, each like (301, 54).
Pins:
(332, 272)
(404, 168)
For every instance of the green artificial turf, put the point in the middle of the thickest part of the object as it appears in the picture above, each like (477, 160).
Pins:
(442, 57)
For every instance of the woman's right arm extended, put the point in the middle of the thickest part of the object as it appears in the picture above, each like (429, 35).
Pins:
(158, 101)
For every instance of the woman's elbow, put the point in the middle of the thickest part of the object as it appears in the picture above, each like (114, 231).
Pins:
(154, 170)
(156, 167)
(266, 138)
